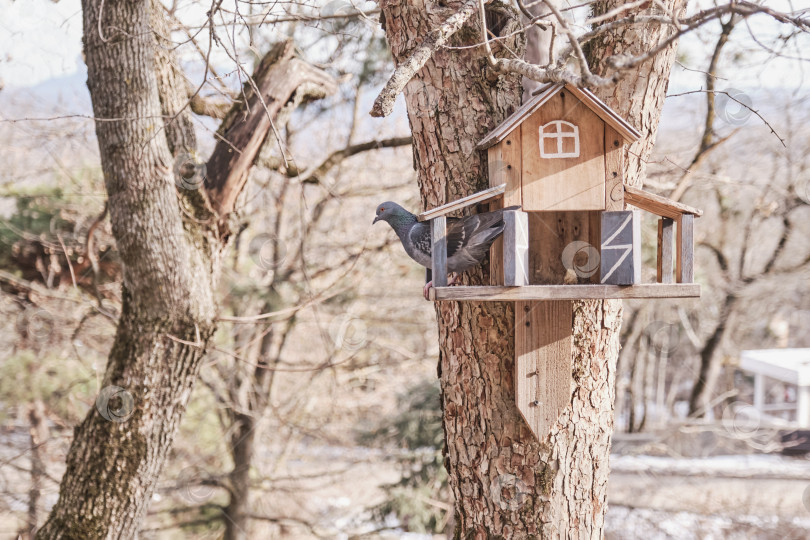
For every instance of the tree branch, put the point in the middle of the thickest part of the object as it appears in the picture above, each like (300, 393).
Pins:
(314, 176)
(209, 107)
(404, 72)
(278, 77)
(707, 142)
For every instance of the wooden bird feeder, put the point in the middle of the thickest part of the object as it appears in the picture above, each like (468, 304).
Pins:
(560, 158)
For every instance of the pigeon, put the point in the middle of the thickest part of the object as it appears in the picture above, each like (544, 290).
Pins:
(468, 238)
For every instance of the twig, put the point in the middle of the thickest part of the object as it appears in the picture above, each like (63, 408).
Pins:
(198, 344)
(90, 252)
(282, 312)
(585, 71)
(67, 258)
(781, 140)
(615, 11)
(484, 36)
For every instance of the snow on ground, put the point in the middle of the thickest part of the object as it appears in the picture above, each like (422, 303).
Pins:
(624, 523)
(736, 466)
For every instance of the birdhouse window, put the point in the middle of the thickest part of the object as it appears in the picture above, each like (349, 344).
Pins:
(559, 139)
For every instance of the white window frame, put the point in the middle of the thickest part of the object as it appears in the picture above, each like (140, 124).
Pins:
(559, 135)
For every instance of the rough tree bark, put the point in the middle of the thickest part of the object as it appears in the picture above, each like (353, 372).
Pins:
(168, 308)
(506, 484)
(170, 247)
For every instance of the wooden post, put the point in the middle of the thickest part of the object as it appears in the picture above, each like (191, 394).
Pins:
(515, 248)
(614, 170)
(686, 247)
(504, 168)
(438, 228)
(664, 271)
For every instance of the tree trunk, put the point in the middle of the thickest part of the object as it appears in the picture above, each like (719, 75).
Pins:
(237, 513)
(253, 400)
(168, 307)
(507, 484)
(170, 247)
(709, 370)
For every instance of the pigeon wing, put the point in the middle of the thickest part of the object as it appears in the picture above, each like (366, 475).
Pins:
(468, 239)
(419, 244)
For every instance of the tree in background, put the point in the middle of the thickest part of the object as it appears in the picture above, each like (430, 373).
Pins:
(293, 249)
(171, 249)
(749, 252)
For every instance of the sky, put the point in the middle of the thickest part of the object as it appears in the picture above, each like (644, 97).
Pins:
(40, 40)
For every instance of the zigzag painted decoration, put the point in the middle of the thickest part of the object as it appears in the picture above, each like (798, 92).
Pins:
(621, 248)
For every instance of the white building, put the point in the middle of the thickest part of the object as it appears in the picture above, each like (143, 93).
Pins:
(788, 366)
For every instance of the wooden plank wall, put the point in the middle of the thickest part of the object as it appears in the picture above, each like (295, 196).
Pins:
(684, 263)
(620, 262)
(516, 246)
(550, 233)
(574, 183)
(614, 170)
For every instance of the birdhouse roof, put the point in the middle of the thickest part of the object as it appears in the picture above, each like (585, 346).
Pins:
(608, 115)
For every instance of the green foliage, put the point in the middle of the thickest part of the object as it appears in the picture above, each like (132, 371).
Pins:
(201, 425)
(38, 213)
(419, 425)
(420, 498)
(208, 520)
(375, 62)
(64, 385)
(44, 217)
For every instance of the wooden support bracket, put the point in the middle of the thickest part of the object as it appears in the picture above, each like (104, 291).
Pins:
(438, 229)
(657, 204)
(543, 359)
(464, 202)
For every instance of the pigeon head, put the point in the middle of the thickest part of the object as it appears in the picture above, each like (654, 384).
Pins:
(394, 214)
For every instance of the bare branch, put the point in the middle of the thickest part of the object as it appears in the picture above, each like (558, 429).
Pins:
(707, 142)
(209, 107)
(314, 176)
(279, 76)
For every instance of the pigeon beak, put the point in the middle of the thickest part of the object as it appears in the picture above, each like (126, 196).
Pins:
(376, 219)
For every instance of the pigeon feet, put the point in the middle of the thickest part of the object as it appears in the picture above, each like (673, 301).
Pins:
(454, 279)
